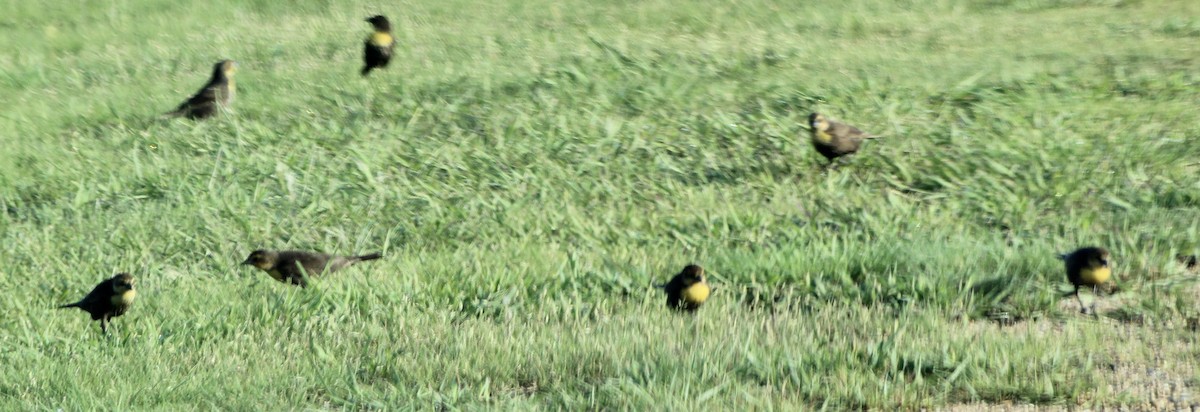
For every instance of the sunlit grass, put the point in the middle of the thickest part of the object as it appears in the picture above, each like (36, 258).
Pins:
(529, 169)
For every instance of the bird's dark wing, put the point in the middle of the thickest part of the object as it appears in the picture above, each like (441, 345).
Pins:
(846, 130)
(206, 96)
(203, 103)
(96, 302)
(100, 293)
(314, 263)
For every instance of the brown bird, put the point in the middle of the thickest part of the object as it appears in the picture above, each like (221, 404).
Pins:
(687, 290)
(835, 139)
(213, 97)
(110, 299)
(377, 50)
(1089, 266)
(285, 265)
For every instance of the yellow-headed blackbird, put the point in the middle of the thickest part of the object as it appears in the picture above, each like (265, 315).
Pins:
(213, 97)
(377, 50)
(834, 139)
(284, 265)
(1089, 266)
(687, 290)
(109, 299)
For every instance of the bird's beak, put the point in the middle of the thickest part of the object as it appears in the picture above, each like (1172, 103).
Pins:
(247, 262)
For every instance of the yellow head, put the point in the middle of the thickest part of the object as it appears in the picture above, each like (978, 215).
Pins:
(818, 122)
(123, 289)
(262, 259)
(229, 66)
(224, 69)
(820, 127)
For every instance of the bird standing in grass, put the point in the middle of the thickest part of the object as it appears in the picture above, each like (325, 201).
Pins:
(687, 290)
(1089, 266)
(109, 299)
(213, 97)
(834, 139)
(377, 50)
(285, 265)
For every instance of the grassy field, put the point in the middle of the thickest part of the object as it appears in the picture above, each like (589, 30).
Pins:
(530, 168)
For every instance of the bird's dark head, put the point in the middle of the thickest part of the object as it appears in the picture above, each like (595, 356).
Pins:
(818, 121)
(380, 23)
(262, 259)
(1091, 257)
(123, 282)
(692, 274)
(1101, 258)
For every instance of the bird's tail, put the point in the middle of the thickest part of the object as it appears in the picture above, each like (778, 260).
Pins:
(69, 305)
(366, 70)
(1062, 256)
(371, 256)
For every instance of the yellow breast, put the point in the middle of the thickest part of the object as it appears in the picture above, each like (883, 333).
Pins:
(124, 299)
(696, 293)
(381, 39)
(1095, 276)
(822, 136)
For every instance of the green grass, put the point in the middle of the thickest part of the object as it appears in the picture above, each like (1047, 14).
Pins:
(531, 168)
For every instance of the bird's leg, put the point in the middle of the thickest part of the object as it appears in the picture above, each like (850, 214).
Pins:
(104, 325)
(1082, 309)
(1094, 296)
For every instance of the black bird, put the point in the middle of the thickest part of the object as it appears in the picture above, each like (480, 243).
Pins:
(377, 50)
(687, 290)
(1089, 266)
(213, 97)
(110, 299)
